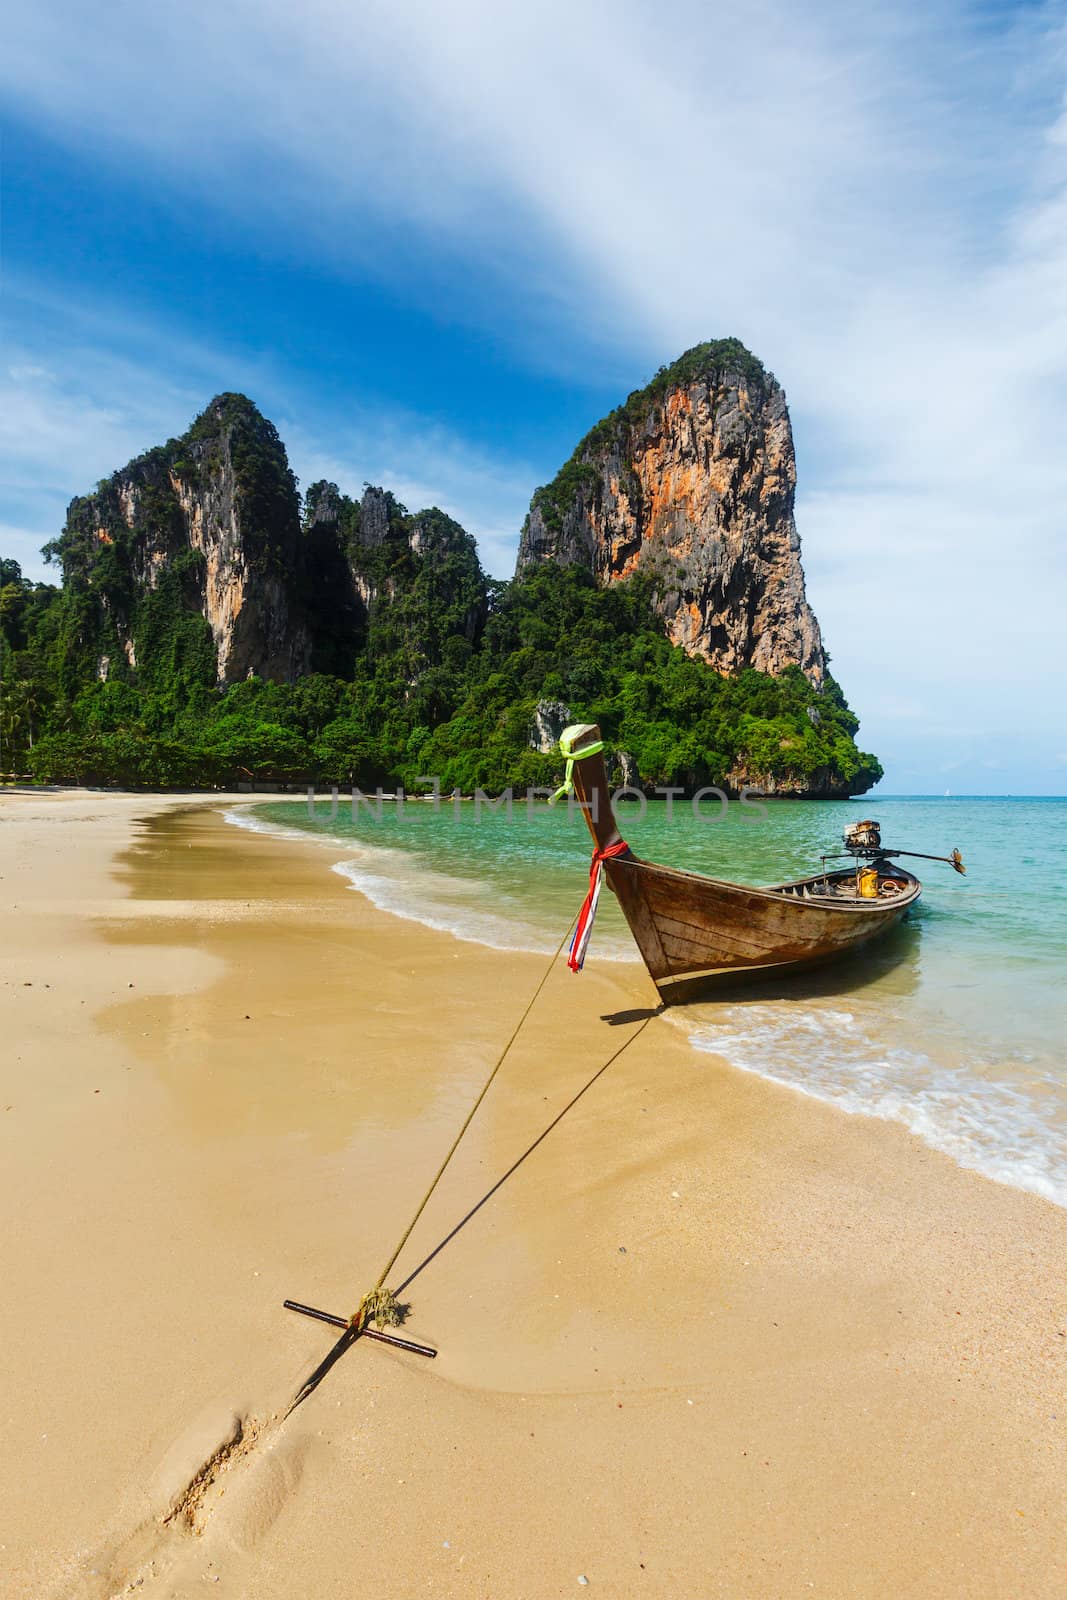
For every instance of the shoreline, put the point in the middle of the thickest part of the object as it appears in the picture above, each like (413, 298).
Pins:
(701, 1295)
(397, 880)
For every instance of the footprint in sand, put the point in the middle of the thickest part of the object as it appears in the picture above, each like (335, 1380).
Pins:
(219, 1487)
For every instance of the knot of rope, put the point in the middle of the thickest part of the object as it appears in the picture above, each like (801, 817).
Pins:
(584, 926)
(378, 1305)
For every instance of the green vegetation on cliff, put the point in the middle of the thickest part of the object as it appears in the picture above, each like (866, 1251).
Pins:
(385, 652)
(465, 715)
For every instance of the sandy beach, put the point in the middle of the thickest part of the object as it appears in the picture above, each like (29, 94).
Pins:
(710, 1338)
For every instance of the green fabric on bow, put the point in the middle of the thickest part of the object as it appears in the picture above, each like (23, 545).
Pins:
(567, 741)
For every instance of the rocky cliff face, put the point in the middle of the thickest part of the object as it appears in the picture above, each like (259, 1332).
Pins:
(240, 510)
(692, 481)
(192, 570)
(209, 523)
(418, 572)
(201, 541)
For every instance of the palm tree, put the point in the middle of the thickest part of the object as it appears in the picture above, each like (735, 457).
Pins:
(20, 712)
(29, 696)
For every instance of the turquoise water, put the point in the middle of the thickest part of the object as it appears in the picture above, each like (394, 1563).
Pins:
(955, 1024)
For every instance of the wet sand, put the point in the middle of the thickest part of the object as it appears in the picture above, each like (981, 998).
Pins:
(710, 1338)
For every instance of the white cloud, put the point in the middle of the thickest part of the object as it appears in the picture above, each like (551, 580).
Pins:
(71, 418)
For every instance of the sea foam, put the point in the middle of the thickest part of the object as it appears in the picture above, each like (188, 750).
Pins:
(404, 884)
(1000, 1129)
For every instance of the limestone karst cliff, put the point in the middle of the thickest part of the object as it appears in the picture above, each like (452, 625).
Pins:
(201, 543)
(382, 576)
(213, 627)
(692, 480)
(207, 526)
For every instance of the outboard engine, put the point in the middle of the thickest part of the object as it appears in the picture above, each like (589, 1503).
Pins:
(863, 838)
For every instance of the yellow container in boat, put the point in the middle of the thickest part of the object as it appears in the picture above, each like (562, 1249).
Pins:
(868, 884)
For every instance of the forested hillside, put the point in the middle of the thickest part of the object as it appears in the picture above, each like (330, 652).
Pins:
(212, 627)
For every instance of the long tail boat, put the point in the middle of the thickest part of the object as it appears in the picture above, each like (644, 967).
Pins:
(691, 929)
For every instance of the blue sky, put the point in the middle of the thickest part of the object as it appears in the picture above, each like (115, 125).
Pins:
(435, 242)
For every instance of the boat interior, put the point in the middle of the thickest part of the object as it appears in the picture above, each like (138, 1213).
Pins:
(892, 883)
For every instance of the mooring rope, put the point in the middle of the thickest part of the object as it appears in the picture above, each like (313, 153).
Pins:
(357, 1325)
(528, 1152)
(379, 1304)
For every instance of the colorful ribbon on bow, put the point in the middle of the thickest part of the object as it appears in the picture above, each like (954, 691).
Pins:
(584, 928)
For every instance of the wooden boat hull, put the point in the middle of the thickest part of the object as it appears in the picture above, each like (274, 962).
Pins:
(690, 928)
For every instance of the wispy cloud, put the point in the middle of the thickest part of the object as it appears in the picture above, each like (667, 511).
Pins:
(74, 406)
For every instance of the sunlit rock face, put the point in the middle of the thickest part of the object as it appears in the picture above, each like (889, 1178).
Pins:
(250, 566)
(197, 562)
(692, 481)
(211, 522)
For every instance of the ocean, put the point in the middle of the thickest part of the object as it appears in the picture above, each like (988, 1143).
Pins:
(954, 1024)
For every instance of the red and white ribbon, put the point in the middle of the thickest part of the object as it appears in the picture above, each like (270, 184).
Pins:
(584, 929)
